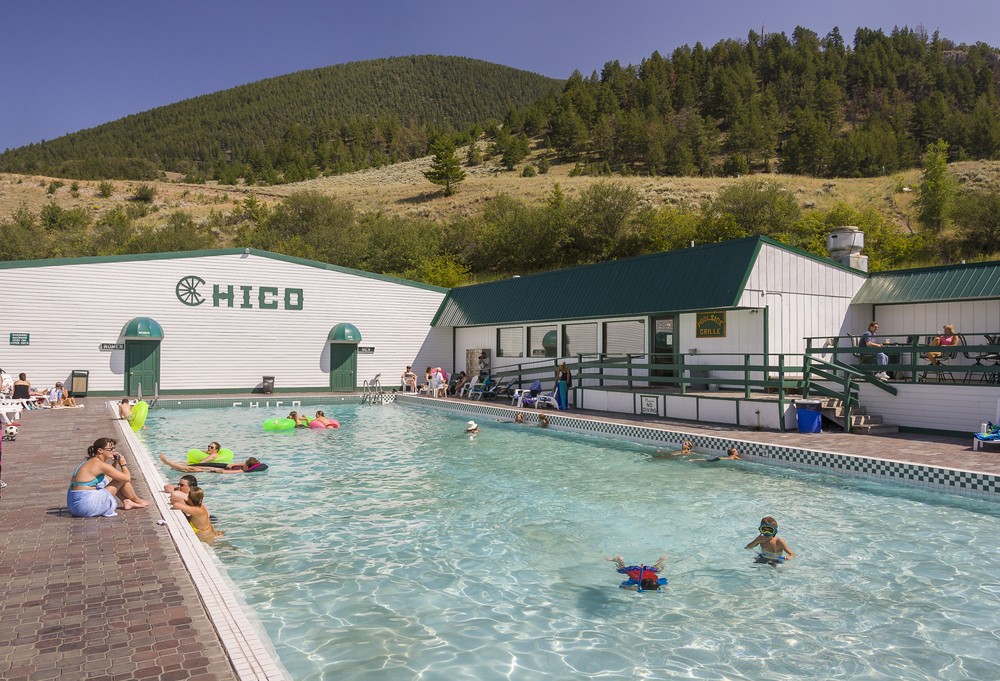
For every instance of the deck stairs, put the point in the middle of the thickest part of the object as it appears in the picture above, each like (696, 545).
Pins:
(862, 422)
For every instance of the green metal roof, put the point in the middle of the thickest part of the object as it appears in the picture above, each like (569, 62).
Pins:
(52, 262)
(142, 328)
(344, 332)
(704, 277)
(929, 284)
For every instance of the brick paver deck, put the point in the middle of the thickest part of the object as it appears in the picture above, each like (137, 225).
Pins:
(91, 598)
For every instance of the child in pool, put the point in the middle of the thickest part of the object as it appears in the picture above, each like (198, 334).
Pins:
(770, 546)
(640, 577)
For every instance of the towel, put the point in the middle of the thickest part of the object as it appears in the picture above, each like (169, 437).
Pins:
(87, 503)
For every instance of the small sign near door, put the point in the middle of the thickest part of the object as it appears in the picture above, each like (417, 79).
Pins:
(710, 324)
(112, 346)
(20, 339)
(648, 404)
(366, 350)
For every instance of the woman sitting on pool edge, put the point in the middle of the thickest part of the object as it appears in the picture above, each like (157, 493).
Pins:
(251, 465)
(96, 485)
(640, 577)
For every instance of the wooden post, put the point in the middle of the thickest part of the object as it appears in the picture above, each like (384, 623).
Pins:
(806, 366)
(746, 377)
(847, 402)
(781, 392)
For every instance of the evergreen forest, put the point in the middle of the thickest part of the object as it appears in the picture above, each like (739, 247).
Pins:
(333, 119)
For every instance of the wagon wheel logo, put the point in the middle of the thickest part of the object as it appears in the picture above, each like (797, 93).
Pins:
(187, 291)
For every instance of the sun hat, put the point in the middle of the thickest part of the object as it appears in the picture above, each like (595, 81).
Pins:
(472, 426)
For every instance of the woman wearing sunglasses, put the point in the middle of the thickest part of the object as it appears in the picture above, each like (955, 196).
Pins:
(100, 481)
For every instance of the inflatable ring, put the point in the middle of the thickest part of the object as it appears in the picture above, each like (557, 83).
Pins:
(197, 456)
(138, 416)
(316, 424)
(279, 424)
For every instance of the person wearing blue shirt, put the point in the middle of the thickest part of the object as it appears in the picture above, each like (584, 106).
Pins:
(868, 340)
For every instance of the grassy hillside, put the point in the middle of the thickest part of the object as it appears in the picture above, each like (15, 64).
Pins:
(373, 99)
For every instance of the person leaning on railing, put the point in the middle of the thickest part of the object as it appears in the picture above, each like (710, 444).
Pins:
(947, 338)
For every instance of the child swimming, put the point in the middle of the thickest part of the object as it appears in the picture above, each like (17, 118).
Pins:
(640, 577)
(770, 546)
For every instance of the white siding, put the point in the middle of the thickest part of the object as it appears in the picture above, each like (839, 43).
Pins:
(83, 305)
(805, 297)
(939, 407)
(969, 318)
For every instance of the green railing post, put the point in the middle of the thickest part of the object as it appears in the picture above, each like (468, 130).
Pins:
(806, 367)
(680, 374)
(847, 402)
(746, 377)
(628, 361)
(914, 358)
(781, 391)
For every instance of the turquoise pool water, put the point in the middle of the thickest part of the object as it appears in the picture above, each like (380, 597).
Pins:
(399, 548)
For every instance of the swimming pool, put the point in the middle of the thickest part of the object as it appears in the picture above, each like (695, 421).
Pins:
(397, 548)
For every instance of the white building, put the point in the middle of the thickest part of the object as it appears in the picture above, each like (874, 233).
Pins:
(214, 322)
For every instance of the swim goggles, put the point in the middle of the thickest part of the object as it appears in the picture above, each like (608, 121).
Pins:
(768, 530)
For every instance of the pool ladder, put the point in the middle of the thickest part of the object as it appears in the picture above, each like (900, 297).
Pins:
(372, 393)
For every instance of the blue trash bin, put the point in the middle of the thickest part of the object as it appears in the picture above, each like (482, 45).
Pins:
(809, 414)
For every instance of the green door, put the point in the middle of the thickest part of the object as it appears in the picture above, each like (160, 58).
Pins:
(142, 366)
(343, 367)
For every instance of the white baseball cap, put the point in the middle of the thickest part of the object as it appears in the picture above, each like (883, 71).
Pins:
(472, 426)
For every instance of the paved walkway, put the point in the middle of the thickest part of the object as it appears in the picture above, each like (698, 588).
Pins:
(99, 599)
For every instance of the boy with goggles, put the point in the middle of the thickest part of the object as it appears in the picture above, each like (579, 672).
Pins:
(770, 546)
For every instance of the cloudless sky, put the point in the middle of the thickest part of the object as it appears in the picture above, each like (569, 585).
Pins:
(66, 65)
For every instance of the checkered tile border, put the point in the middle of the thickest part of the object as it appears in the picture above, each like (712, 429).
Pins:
(949, 481)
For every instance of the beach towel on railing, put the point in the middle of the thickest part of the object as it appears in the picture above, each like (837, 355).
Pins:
(991, 435)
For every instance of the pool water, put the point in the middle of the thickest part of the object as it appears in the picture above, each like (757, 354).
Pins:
(397, 547)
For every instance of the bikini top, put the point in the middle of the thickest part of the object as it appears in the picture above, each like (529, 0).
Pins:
(91, 483)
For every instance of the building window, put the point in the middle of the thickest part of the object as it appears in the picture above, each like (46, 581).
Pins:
(510, 342)
(542, 341)
(622, 338)
(579, 339)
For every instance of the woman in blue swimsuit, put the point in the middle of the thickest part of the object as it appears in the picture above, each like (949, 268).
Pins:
(97, 485)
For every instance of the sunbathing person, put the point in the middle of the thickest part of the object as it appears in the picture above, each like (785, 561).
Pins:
(251, 465)
(97, 484)
(64, 397)
(198, 516)
(321, 418)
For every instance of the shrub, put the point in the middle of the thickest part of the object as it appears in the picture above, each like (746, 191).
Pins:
(529, 171)
(543, 165)
(53, 186)
(577, 171)
(106, 189)
(144, 193)
(75, 186)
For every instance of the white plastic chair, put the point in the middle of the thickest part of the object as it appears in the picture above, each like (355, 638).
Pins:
(467, 388)
(549, 399)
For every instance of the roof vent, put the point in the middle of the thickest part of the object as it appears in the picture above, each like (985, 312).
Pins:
(845, 244)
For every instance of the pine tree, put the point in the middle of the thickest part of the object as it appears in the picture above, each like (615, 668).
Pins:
(937, 189)
(445, 169)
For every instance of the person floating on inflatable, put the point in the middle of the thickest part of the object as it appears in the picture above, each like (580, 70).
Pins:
(770, 546)
(321, 421)
(251, 465)
(300, 421)
(214, 452)
(134, 415)
(640, 577)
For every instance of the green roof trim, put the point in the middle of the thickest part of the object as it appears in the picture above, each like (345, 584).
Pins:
(142, 328)
(712, 276)
(344, 333)
(53, 262)
(976, 281)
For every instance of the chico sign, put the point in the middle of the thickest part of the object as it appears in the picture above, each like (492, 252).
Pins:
(265, 297)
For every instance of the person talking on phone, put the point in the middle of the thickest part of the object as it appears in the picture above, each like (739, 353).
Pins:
(100, 482)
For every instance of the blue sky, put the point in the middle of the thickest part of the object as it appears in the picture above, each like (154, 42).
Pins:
(74, 64)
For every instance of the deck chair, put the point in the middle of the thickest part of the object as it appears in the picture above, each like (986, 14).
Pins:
(498, 389)
(548, 399)
(468, 387)
(977, 358)
(520, 393)
(942, 360)
(527, 396)
(477, 392)
(862, 357)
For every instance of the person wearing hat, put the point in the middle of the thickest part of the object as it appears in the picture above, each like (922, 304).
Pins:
(409, 380)
(472, 428)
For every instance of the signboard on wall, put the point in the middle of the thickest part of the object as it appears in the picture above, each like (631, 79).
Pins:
(366, 349)
(648, 404)
(710, 324)
(112, 346)
(20, 339)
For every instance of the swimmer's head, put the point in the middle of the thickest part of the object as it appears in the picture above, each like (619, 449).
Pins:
(319, 413)
(649, 584)
(251, 462)
(518, 418)
(768, 526)
(196, 495)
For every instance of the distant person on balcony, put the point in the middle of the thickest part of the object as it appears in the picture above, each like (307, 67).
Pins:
(868, 340)
(947, 338)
